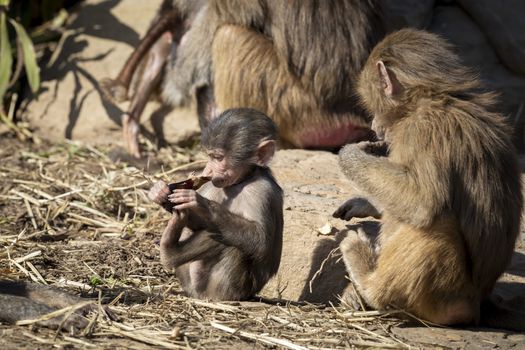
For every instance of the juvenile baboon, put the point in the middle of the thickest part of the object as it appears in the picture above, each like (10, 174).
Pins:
(294, 60)
(224, 240)
(449, 189)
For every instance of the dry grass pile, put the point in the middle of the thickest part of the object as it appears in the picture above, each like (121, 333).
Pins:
(71, 217)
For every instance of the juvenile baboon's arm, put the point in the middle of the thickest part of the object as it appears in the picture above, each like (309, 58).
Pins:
(409, 194)
(199, 246)
(229, 230)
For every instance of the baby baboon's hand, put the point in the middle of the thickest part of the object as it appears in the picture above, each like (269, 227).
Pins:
(188, 199)
(159, 193)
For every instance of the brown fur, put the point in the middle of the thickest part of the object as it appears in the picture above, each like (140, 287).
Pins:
(294, 60)
(450, 187)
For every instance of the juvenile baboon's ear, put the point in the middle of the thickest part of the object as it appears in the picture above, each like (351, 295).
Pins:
(265, 152)
(387, 81)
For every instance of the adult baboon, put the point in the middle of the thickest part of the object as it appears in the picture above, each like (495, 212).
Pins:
(294, 60)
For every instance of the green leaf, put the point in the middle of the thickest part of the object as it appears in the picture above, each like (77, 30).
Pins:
(95, 280)
(4, 3)
(32, 69)
(6, 60)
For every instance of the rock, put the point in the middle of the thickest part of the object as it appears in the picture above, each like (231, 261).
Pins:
(100, 37)
(407, 13)
(503, 23)
(454, 24)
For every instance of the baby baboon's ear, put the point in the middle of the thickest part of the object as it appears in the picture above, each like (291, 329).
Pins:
(265, 152)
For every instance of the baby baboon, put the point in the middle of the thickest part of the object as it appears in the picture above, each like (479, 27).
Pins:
(295, 60)
(449, 189)
(224, 240)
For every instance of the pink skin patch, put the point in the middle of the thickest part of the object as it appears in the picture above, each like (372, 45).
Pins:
(333, 137)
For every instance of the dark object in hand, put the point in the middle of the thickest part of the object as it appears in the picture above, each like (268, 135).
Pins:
(194, 182)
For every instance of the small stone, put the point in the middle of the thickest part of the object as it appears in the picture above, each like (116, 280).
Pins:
(326, 229)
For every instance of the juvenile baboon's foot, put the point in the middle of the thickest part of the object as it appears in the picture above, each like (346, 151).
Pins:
(113, 90)
(130, 129)
(356, 208)
(349, 244)
(351, 298)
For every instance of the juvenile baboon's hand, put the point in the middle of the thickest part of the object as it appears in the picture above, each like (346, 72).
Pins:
(378, 148)
(356, 208)
(159, 193)
(188, 199)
